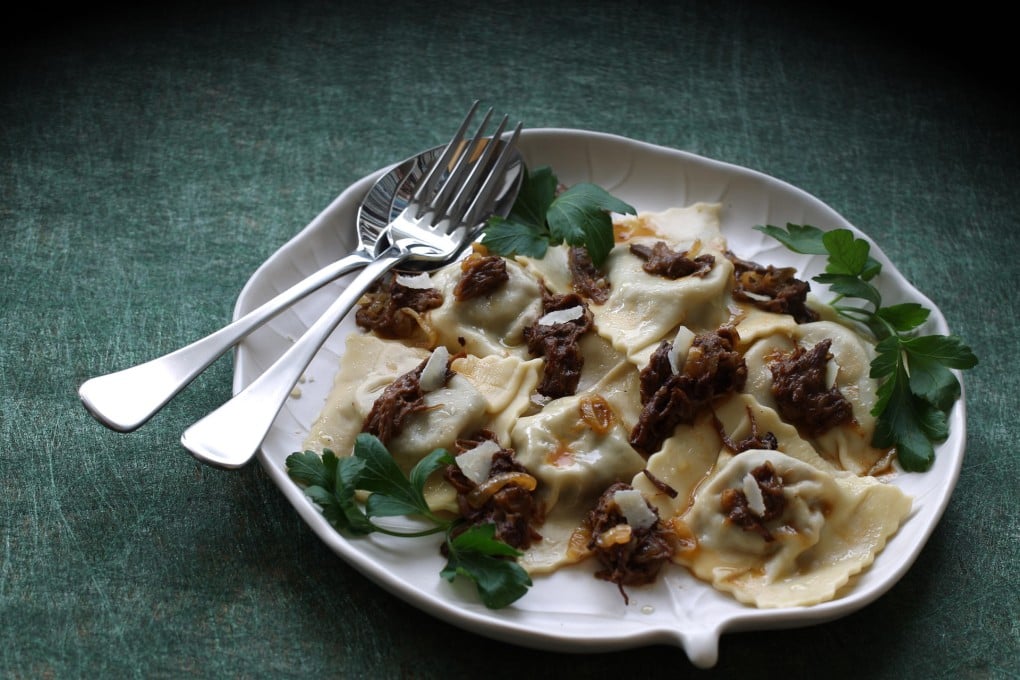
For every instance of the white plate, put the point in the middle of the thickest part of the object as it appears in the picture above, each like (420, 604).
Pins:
(570, 610)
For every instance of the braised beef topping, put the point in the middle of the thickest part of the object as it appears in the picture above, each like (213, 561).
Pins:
(661, 260)
(629, 556)
(401, 399)
(734, 506)
(512, 508)
(737, 510)
(587, 279)
(754, 440)
(771, 486)
(785, 293)
(657, 372)
(558, 345)
(715, 365)
(713, 369)
(462, 445)
(389, 308)
(799, 386)
(480, 276)
(668, 406)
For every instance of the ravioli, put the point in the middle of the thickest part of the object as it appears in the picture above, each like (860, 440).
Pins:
(368, 365)
(487, 393)
(644, 308)
(848, 446)
(831, 528)
(505, 384)
(694, 451)
(753, 324)
(573, 461)
(491, 324)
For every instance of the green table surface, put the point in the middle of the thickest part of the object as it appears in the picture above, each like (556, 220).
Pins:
(150, 160)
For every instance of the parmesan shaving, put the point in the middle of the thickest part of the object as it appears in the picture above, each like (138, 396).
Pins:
(562, 316)
(633, 506)
(418, 281)
(755, 501)
(681, 346)
(477, 462)
(433, 376)
(831, 371)
(756, 296)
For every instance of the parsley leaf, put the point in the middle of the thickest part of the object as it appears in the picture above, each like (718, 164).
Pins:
(580, 216)
(847, 255)
(507, 237)
(393, 494)
(325, 481)
(803, 239)
(536, 195)
(917, 386)
(904, 425)
(347, 470)
(479, 556)
(309, 469)
(905, 316)
(930, 358)
(331, 483)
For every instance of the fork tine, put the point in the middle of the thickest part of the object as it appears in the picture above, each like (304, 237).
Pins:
(493, 179)
(435, 170)
(470, 187)
(455, 178)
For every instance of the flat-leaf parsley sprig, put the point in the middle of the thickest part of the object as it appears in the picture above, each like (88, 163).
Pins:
(580, 216)
(475, 553)
(917, 387)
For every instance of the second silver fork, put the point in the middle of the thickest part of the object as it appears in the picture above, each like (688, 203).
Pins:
(444, 216)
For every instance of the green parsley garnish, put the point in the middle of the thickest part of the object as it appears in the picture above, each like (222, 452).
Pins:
(580, 216)
(331, 482)
(917, 387)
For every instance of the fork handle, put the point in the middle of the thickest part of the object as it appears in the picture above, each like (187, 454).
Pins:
(127, 399)
(231, 435)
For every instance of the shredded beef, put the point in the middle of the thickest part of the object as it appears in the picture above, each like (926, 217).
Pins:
(512, 509)
(660, 486)
(481, 275)
(785, 292)
(634, 562)
(737, 511)
(666, 408)
(713, 368)
(754, 440)
(401, 399)
(387, 309)
(587, 279)
(656, 373)
(661, 260)
(798, 384)
(558, 345)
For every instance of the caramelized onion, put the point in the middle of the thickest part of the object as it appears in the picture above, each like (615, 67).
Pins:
(617, 535)
(478, 496)
(597, 414)
(577, 546)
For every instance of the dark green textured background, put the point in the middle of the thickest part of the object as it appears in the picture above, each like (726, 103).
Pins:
(151, 160)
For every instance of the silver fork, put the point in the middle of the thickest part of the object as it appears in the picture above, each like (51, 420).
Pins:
(443, 217)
